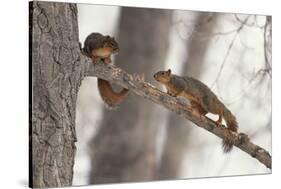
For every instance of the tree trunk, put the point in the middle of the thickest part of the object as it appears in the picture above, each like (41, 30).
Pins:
(178, 129)
(125, 146)
(56, 76)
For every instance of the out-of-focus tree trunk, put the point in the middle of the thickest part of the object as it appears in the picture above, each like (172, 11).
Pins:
(178, 129)
(124, 149)
(56, 76)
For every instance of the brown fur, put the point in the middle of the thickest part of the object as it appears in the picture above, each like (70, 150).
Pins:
(201, 98)
(100, 48)
(108, 95)
(232, 125)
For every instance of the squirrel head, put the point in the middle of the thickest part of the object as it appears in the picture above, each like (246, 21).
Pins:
(110, 42)
(163, 76)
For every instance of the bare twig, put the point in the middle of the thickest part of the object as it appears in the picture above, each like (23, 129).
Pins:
(229, 50)
(257, 78)
(267, 45)
(242, 22)
(148, 91)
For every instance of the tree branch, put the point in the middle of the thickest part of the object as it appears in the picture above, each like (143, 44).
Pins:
(148, 91)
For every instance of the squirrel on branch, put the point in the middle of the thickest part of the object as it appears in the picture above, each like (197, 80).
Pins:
(201, 98)
(99, 48)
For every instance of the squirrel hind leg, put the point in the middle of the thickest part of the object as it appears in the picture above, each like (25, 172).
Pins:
(198, 110)
(107, 60)
(219, 121)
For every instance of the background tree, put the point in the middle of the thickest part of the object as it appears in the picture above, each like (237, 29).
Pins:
(125, 147)
(177, 138)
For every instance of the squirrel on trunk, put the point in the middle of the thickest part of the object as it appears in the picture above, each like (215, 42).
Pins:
(99, 48)
(201, 99)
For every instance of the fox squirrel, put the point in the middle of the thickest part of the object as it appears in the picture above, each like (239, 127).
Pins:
(99, 47)
(201, 99)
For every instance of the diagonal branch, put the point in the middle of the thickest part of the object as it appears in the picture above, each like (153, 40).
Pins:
(148, 91)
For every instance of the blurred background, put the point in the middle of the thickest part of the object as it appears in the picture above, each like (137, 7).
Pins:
(141, 141)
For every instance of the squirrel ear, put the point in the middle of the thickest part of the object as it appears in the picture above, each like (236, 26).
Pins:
(169, 71)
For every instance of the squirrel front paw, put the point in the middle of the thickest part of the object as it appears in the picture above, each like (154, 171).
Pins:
(107, 60)
(95, 60)
(172, 94)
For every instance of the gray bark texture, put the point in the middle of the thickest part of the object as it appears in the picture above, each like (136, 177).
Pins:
(56, 77)
(124, 149)
(178, 129)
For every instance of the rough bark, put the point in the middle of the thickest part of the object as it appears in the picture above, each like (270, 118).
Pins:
(125, 146)
(150, 92)
(178, 129)
(56, 76)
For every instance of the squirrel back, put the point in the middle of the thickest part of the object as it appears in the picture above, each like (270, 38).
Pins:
(96, 41)
(212, 104)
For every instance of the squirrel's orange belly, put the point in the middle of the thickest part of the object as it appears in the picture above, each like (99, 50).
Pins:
(102, 52)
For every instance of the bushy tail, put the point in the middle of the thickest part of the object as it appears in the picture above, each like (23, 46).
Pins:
(231, 125)
(111, 98)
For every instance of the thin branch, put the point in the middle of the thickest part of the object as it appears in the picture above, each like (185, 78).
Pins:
(229, 50)
(243, 21)
(148, 91)
(266, 45)
(257, 77)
